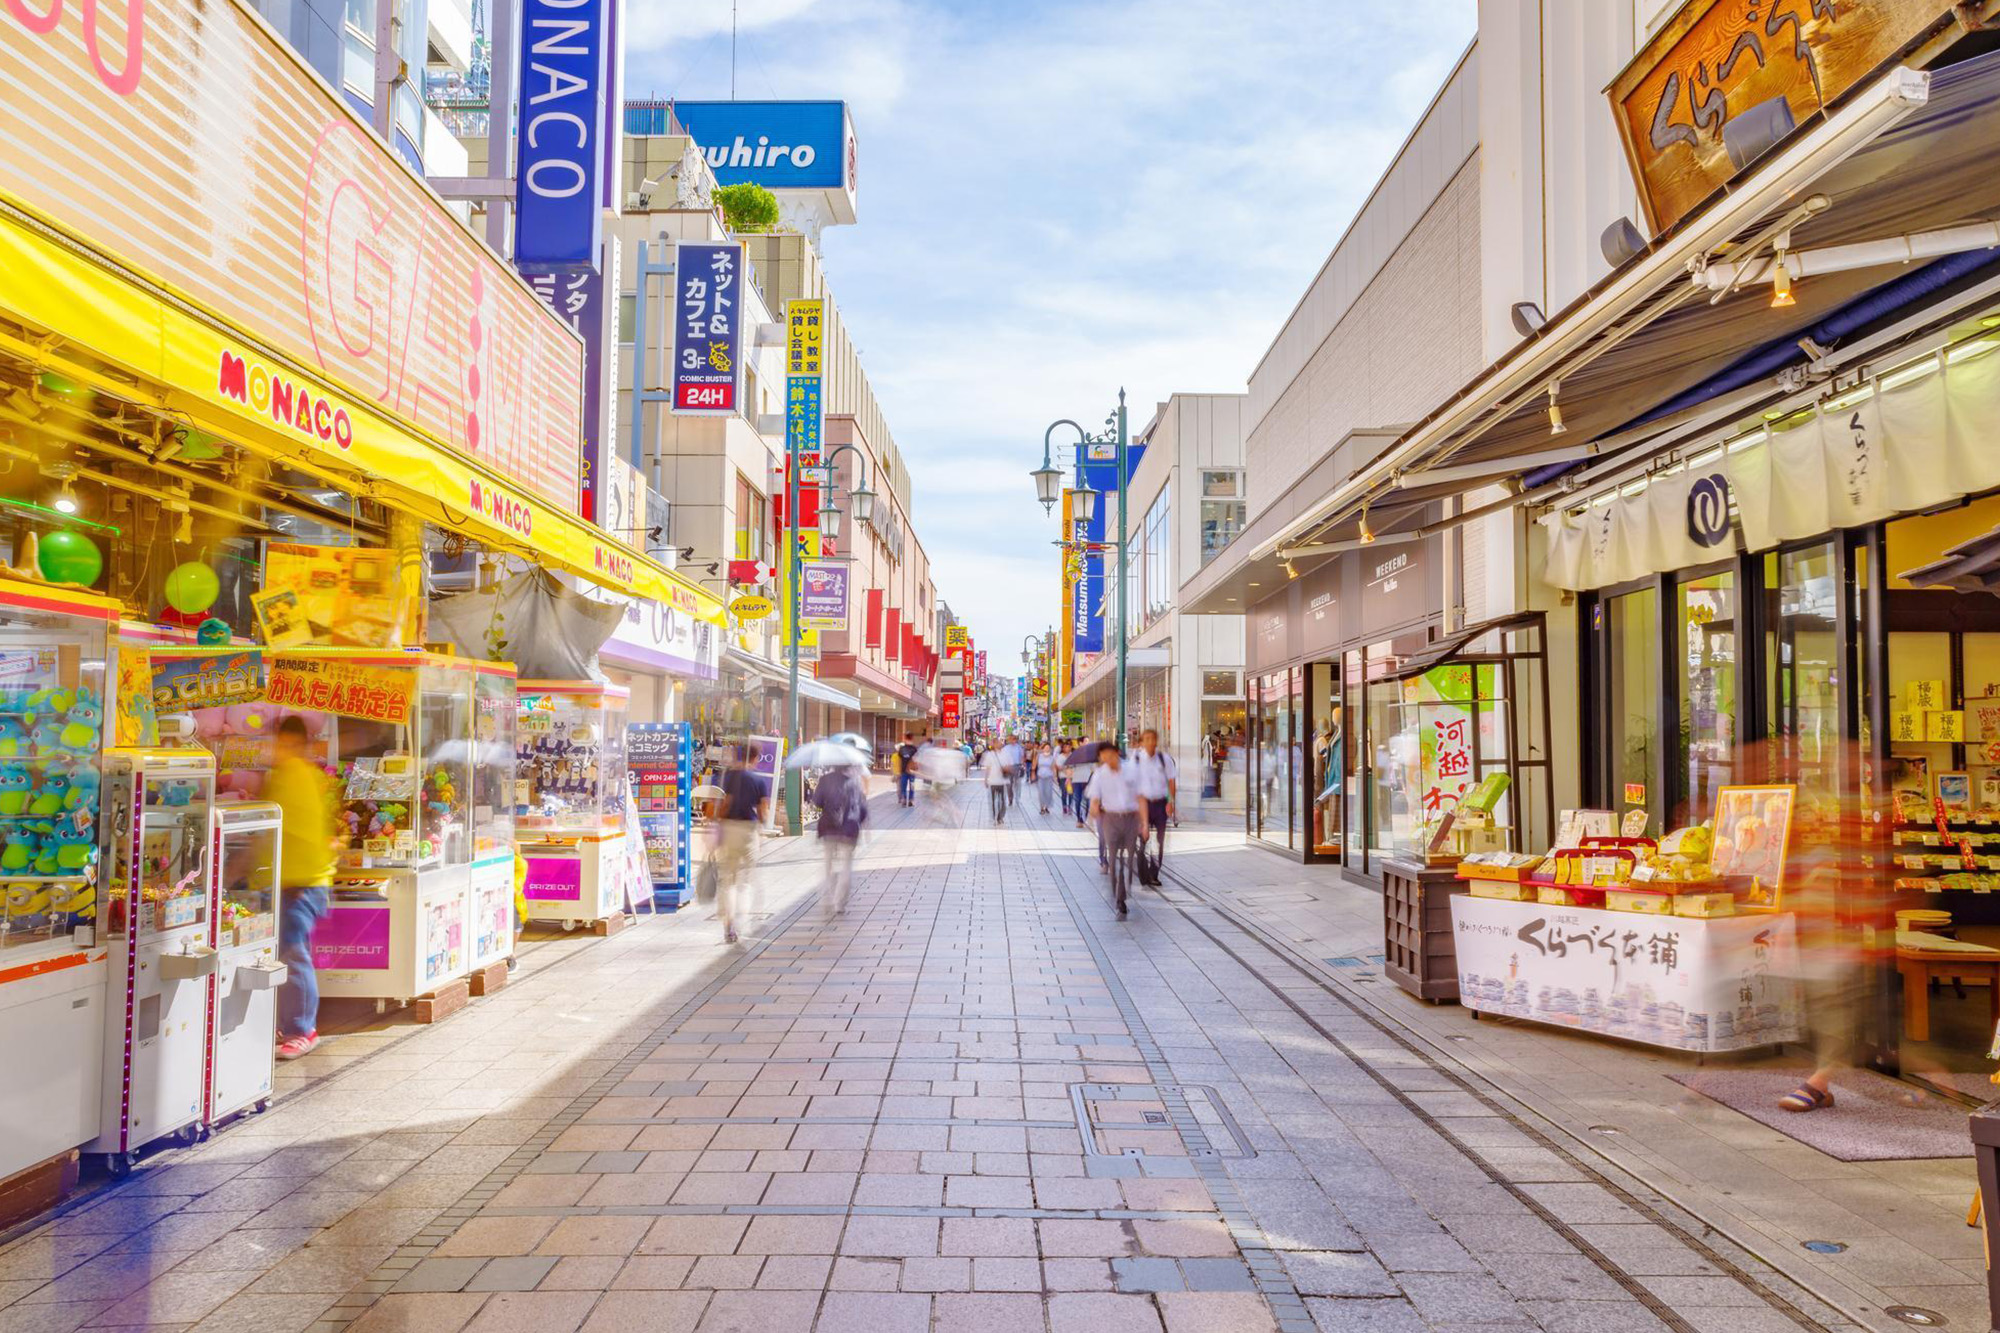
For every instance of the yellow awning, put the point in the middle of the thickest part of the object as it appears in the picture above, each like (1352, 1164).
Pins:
(229, 385)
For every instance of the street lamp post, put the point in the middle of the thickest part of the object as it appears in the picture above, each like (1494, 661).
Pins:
(829, 527)
(1038, 653)
(1048, 489)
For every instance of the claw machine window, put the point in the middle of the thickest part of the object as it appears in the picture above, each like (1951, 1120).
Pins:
(395, 735)
(491, 783)
(54, 646)
(243, 1019)
(570, 796)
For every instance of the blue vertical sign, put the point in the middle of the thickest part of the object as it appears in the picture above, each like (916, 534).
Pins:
(1093, 607)
(708, 327)
(576, 295)
(558, 216)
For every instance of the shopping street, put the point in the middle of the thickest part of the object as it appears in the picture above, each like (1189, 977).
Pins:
(874, 1122)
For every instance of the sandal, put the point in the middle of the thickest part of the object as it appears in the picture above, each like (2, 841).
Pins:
(1806, 1097)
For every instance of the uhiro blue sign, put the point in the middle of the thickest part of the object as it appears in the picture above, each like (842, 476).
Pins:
(564, 66)
(779, 145)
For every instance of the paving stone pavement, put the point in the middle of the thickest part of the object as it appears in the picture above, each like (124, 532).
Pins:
(976, 1101)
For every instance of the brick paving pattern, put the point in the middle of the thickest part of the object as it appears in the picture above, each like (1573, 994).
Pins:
(975, 1102)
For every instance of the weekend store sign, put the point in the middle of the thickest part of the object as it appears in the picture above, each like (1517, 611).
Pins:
(193, 147)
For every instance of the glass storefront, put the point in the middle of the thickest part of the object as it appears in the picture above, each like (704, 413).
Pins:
(1705, 760)
(1326, 758)
(1274, 737)
(1632, 626)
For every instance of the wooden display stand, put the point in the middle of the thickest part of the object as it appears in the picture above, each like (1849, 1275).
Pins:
(1417, 947)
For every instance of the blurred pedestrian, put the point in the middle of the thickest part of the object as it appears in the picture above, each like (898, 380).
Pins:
(842, 799)
(1157, 778)
(906, 772)
(1011, 756)
(994, 769)
(304, 794)
(1121, 820)
(1045, 776)
(746, 800)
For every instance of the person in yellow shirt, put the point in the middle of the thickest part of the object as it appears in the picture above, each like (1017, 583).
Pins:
(304, 794)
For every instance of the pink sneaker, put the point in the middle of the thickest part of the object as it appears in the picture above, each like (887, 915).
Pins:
(291, 1048)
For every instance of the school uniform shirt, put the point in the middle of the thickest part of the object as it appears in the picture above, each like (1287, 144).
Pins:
(1114, 791)
(1152, 773)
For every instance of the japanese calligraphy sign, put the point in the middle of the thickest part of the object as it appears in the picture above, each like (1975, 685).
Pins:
(805, 412)
(1717, 59)
(948, 710)
(708, 327)
(374, 691)
(1688, 983)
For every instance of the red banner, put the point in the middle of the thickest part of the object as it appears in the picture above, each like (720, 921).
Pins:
(948, 711)
(872, 636)
(892, 646)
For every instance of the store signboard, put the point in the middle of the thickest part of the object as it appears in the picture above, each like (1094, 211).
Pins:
(199, 678)
(708, 328)
(949, 706)
(778, 145)
(1399, 585)
(956, 636)
(823, 587)
(576, 295)
(1715, 60)
(200, 151)
(1688, 983)
(346, 595)
(375, 691)
(564, 59)
(554, 879)
(660, 757)
(351, 938)
(805, 413)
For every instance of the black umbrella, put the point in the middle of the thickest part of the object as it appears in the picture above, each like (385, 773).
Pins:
(1085, 753)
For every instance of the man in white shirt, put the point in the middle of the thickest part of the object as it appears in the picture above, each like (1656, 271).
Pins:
(1157, 778)
(1121, 819)
(1010, 755)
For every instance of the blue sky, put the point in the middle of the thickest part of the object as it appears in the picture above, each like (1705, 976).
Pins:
(1057, 199)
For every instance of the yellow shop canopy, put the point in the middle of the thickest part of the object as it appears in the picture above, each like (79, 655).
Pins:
(229, 384)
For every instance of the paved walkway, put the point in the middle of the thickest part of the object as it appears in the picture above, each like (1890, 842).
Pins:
(975, 1102)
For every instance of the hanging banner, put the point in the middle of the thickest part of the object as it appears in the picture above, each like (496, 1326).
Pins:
(823, 595)
(805, 414)
(558, 213)
(708, 328)
(376, 691)
(948, 710)
(576, 295)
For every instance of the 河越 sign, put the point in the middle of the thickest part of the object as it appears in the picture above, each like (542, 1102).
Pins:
(778, 145)
(1689, 983)
(1718, 59)
(557, 208)
(823, 595)
(708, 327)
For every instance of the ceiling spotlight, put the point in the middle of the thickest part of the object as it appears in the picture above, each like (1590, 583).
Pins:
(1528, 318)
(1781, 277)
(61, 471)
(1291, 570)
(1367, 533)
(1556, 426)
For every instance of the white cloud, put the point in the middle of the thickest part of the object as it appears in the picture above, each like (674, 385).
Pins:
(1060, 199)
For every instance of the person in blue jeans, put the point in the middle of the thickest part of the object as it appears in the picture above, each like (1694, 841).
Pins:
(303, 792)
(906, 772)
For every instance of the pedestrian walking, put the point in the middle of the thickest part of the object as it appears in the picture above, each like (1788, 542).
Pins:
(1157, 778)
(906, 772)
(1011, 756)
(745, 801)
(994, 768)
(1121, 820)
(304, 794)
(842, 799)
(1045, 776)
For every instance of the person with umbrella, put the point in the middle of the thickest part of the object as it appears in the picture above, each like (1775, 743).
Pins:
(841, 796)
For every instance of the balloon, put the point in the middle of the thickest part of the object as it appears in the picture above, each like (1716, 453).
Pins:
(192, 588)
(71, 557)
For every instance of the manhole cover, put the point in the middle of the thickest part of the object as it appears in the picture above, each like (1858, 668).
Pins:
(1911, 1314)
(1824, 1246)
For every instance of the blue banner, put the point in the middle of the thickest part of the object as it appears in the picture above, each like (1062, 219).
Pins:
(1092, 609)
(708, 327)
(577, 297)
(557, 199)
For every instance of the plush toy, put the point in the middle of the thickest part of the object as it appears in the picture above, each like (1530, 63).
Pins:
(213, 633)
(13, 739)
(81, 725)
(46, 738)
(82, 795)
(19, 852)
(176, 794)
(55, 789)
(253, 719)
(76, 849)
(72, 903)
(45, 859)
(27, 905)
(15, 788)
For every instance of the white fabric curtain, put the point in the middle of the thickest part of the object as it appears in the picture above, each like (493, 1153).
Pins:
(1909, 445)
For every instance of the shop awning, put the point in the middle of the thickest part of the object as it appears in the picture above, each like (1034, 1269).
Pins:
(1440, 651)
(1909, 152)
(130, 339)
(778, 675)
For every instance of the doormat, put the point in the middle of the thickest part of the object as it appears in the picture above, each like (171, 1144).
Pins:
(1869, 1121)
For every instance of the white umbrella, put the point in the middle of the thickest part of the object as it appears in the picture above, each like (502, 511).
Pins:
(826, 754)
(853, 738)
(708, 791)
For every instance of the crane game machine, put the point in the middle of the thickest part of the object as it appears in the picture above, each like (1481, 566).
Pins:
(156, 926)
(570, 785)
(54, 645)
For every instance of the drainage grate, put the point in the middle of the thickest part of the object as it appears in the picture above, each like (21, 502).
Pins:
(1122, 1119)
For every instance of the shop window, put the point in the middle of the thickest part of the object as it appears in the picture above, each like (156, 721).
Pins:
(1272, 763)
(1327, 752)
(1632, 648)
(751, 520)
(1159, 556)
(1705, 760)
(1222, 511)
(1802, 669)
(1221, 684)
(628, 317)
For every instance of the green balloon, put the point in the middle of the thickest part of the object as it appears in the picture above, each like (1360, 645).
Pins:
(70, 557)
(192, 588)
